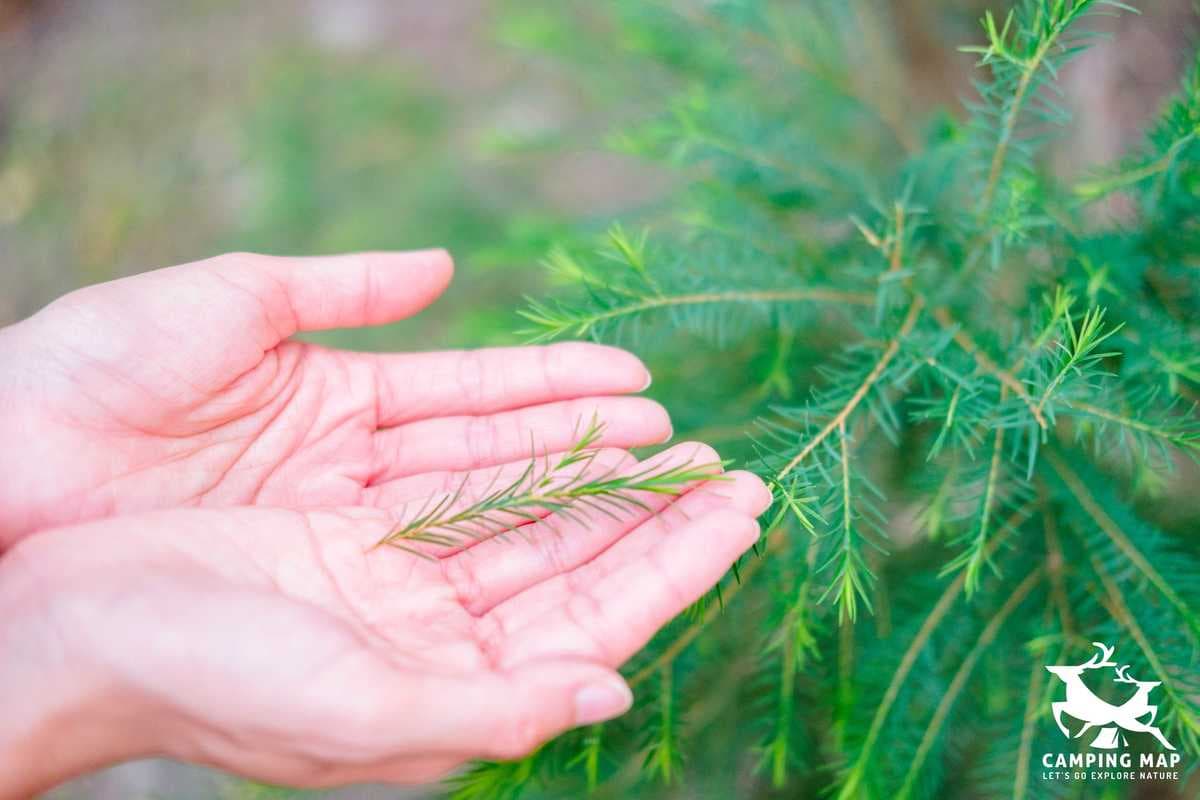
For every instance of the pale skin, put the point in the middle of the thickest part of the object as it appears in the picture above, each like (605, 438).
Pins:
(191, 500)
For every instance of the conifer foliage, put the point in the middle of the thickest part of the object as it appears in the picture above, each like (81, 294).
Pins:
(970, 384)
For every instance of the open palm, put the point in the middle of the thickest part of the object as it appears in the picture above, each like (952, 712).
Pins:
(181, 387)
(280, 644)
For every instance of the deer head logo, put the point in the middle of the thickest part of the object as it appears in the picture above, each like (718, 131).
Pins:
(1085, 706)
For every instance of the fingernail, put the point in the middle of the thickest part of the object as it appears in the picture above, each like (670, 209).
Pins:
(757, 529)
(649, 380)
(597, 702)
(766, 499)
(670, 434)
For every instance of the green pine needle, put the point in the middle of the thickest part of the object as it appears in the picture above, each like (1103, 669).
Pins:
(567, 487)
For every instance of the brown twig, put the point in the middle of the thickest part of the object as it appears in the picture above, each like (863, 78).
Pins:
(897, 255)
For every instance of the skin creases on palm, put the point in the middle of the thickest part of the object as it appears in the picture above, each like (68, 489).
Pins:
(181, 387)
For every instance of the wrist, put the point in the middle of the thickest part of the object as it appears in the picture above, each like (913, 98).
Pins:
(62, 716)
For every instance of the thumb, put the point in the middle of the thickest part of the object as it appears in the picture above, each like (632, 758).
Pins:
(508, 715)
(542, 700)
(339, 291)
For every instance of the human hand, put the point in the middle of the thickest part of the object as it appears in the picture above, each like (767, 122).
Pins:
(278, 644)
(181, 387)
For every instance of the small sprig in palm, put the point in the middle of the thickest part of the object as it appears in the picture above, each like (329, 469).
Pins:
(568, 486)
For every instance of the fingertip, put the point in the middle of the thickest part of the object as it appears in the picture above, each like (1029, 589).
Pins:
(657, 419)
(736, 527)
(546, 697)
(637, 365)
(755, 532)
(601, 699)
(349, 290)
(759, 497)
(606, 369)
(669, 433)
(441, 262)
(627, 421)
(421, 274)
(436, 258)
(742, 490)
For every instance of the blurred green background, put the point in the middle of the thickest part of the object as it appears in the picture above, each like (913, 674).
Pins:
(136, 134)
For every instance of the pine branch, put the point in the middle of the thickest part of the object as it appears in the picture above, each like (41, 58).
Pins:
(1110, 528)
(964, 340)
(774, 755)
(852, 577)
(1097, 188)
(754, 252)
(1181, 705)
(795, 643)
(1055, 561)
(565, 487)
(963, 673)
(551, 322)
(1078, 351)
(1004, 51)
(689, 634)
(663, 757)
(589, 756)
(896, 123)
(853, 780)
(495, 780)
(844, 691)
(1181, 432)
(889, 352)
(775, 544)
(1029, 719)
(974, 558)
(1010, 121)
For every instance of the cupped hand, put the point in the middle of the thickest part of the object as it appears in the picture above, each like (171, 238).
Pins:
(280, 644)
(181, 387)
